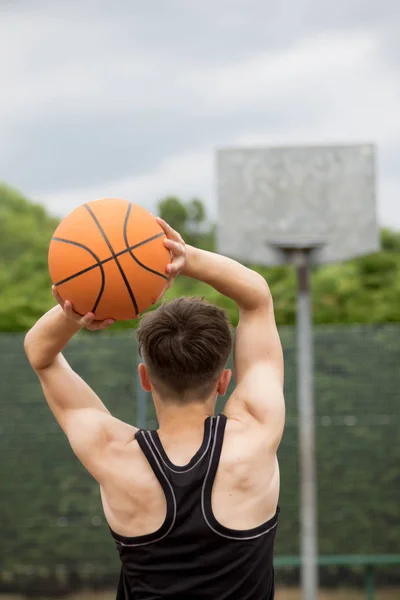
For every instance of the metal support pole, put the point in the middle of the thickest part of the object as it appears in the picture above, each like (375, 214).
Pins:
(308, 495)
(369, 583)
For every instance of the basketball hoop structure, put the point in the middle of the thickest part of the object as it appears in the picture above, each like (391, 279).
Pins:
(303, 206)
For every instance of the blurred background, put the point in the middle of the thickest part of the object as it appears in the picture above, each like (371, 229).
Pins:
(131, 99)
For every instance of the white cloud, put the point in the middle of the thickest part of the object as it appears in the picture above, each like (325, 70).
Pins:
(328, 89)
(270, 76)
(64, 65)
(186, 176)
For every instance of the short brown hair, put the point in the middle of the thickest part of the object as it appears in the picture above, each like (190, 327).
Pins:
(185, 344)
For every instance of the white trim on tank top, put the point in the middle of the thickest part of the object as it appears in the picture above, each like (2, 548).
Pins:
(197, 461)
(174, 501)
(229, 537)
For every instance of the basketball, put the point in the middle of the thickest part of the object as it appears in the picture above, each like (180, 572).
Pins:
(108, 257)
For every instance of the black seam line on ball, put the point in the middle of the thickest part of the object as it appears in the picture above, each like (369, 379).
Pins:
(106, 260)
(128, 212)
(96, 258)
(111, 249)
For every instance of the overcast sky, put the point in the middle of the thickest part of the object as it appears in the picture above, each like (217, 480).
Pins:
(130, 98)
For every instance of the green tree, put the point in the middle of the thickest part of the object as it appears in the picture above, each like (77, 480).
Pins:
(390, 240)
(172, 210)
(25, 232)
(190, 219)
(365, 290)
(196, 211)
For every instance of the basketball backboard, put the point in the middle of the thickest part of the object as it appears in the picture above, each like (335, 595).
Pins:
(322, 196)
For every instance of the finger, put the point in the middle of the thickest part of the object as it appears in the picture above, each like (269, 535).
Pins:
(56, 295)
(176, 266)
(106, 323)
(175, 247)
(87, 319)
(69, 311)
(97, 325)
(171, 233)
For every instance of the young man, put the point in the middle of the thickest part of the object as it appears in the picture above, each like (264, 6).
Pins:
(192, 507)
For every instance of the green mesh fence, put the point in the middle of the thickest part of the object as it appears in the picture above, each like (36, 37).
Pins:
(52, 525)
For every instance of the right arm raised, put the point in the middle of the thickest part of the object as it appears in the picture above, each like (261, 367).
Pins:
(258, 351)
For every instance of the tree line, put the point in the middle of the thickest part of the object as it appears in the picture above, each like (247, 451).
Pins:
(364, 290)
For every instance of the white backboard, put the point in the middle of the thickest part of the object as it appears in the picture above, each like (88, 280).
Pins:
(298, 195)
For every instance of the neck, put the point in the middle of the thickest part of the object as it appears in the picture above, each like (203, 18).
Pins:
(174, 418)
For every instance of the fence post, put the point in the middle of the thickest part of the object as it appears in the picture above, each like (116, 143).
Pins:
(369, 583)
(305, 384)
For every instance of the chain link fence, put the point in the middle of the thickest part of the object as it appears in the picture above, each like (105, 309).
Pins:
(52, 526)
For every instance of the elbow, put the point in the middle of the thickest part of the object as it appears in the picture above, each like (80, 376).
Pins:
(32, 354)
(264, 287)
(27, 345)
(257, 296)
(29, 348)
(261, 296)
(37, 354)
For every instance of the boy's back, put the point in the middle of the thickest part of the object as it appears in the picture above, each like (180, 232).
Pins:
(193, 507)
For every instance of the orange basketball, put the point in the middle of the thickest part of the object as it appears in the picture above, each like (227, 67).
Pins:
(108, 257)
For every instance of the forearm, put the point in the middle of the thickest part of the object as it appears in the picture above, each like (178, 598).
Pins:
(246, 287)
(48, 337)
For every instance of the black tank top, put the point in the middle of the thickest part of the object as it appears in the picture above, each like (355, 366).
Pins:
(192, 556)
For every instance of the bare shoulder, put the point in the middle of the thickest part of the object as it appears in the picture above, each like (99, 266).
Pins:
(125, 450)
(247, 455)
(120, 432)
(95, 429)
(126, 466)
(133, 500)
(258, 406)
(246, 487)
(95, 436)
(245, 436)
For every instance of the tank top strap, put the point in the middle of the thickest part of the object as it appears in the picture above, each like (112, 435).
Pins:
(197, 459)
(225, 532)
(143, 438)
(216, 448)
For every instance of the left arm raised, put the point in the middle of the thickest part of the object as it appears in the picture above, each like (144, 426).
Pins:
(81, 414)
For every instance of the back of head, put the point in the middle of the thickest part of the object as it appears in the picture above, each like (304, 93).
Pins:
(185, 345)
